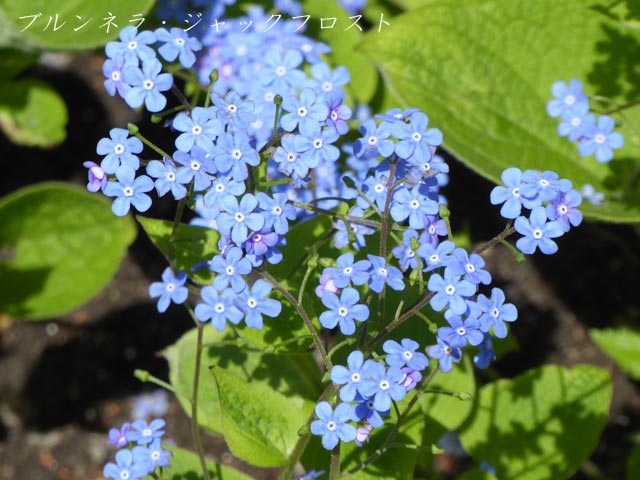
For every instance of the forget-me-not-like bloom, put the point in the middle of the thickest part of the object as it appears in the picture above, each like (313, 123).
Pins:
(171, 289)
(128, 191)
(146, 85)
(495, 312)
(344, 311)
(255, 303)
(451, 292)
(404, 353)
(537, 232)
(332, 425)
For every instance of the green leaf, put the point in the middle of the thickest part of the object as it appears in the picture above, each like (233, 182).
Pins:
(70, 32)
(32, 113)
(633, 463)
(294, 375)
(14, 61)
(482, 71)
(260, 425)
(185, 465)
(193, 245)
(342, 40)
(540, 425)
(621, 344)
(59, 246)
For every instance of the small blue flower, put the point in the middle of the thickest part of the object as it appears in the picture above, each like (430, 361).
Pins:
(255, 303)
(344, 311)
(236, 112)
(380, 274)
(338, 113)
(233, 154)
(412, 204)
(119, 150)
(435, 256)
(589, 193)
(601, 140)
(132, 46)
(196, 166)
(537, 232)
(315, 145)
(566, 97)
(309, 110)
(461, 332)
(461, 263)
(541, 187)
(112, 70)
(199, 128)
(276, 211)
(146, 85)
(365, 411)
(445, 353)
(129, 191)
(144, 433)
(495, 312)
(348, 271)
(486, 354)
(510, 195)
(576, 122)
(171, 289)
(564, 209)
(359, 230)
(383, 385)
(119, 437)
(327, 80)
(178, 44)
(218, 308)
(404, 353)
(405, 252)
(417, 144)
(165, 174)
(230, 268)
(332, 425)
(450, 291)
(125, 467)
(375, 140)
(236, 219)
(153, 455)
(96, 175)
(350, 378)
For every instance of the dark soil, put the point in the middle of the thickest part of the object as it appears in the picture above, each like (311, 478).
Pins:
(66, 381)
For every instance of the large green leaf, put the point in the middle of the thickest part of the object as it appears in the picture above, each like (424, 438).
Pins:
(59, 245)
(192, 245)
(482, 71)
(540, 425)
(79, 24)
(294, 375)
(621, 344)
(32, 113)
(14, 61)
(259, 424)
(185, 465)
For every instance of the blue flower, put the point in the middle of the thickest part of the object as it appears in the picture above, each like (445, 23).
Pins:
(263, 243)
(276, 211)
(230, 268)
(412, 204)
(450, 291)
(171, 289)
(338, 113)
(327, 80)
(125, 467)
(200, 128)
(359, 230)
(380, 274)
(404, 353)
(289, 159)
(220, 188)
(308, 110)
(233, 154)
(153, 455)
(234, 111)
(601, 140)
(445, 353)
(254, 303)
(486, 354)
(129, 191)
(332, 425)
(166, 178)
(350, 378)
(405, 252)
(495, 312)
(510, 195)
(146, 85)
(314, 145)
(236, 219)
(566, 97)
(435, 257)
(144, 433)
(119, 437)
(348, 271)
(218, 308)
(197, 166)
(589, 193)
(576, 122)
(564, 209)
(460, 332)
(539, 187)
(132, 46)
(461, 263)
(416, 144)
(344, 311)
(178, 44)
(112, 69)
(383, 385)
(119, 150)
(365, 411)
(375, 140)
(537, 232)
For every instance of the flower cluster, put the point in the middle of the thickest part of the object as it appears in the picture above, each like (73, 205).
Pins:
(594, 136)
(552, 201)
(140, 450)
(367, 389)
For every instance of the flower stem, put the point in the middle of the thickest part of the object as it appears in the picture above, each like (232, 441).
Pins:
(334, 473)
(135, 131)
(303, 314)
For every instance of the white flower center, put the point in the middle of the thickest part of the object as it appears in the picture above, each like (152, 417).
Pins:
(132, 45)
(432, 229)
(317, 143)
(291, 157)
(537, 233)
(331, 426)
(148, 84)
(124, 475)
(378, 188)
(196, 129)
(327, 86)
(277, 210)
(119, 149)
(562, 209)
(447, 350)
(257, 238)
(219, 307)
(170, 287)
(281, 71)
(252, 303)
(342, 311)
(416, 137)
(599, 138)
(236, 154)
(384, 385)
(128, 191)
(219, 188)
(569, 99)
(195, 165)
(461, 331)
(302, 112)
(115, 76)
(450, 290)
(415, 204)
(382, 272)
(334, 115)
(239, 217)
(230, 270)
(411, 254)
(495, 313)
(372, 140)
(407, 355)
(435, 258)
(146, 432)
(170, 176)
(470, 267)
(179, 42)
(515, 192)
(544, 183)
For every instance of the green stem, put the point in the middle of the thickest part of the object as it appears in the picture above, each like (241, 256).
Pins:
(331, 213)
(384, 227)
(303, 314)
(135, 131)
(183, 100)
(501, 236)
(334, 472)
(310, 268)
(146, 377)
(212, 80)
(197, 440)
